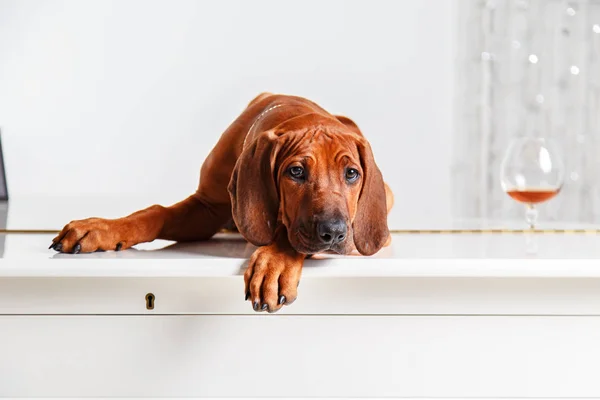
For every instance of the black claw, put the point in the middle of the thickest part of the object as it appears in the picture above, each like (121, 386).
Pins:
(77, 249)
(51, 246)
(255, 306)
(58, 247)
(247, 296)
(282, 299)
(119, 245)
(264, 306)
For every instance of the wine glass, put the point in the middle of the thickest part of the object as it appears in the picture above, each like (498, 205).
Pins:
(532, 172)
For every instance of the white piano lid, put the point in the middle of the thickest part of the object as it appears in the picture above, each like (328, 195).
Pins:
(416, 255)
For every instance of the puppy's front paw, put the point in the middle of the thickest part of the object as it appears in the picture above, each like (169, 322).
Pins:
(272, 278)
(89, 235)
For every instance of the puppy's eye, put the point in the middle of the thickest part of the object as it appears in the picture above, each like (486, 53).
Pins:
(351, 174)
(296, 172)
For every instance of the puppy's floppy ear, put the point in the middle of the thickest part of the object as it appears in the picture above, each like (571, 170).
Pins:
(253, 192)
(370, 223)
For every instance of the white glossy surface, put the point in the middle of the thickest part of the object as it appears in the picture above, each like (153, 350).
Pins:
(440, 255)
(409, 255)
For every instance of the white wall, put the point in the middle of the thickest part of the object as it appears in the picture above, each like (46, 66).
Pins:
(128, 97)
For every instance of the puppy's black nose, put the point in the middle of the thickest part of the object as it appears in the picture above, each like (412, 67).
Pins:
(332, 231)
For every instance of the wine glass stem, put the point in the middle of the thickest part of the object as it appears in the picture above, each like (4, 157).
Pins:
(531, 215)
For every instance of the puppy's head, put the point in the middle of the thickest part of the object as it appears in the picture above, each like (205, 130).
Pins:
(320, 182)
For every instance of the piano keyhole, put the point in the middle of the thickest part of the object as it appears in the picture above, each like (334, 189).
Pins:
(150, 301)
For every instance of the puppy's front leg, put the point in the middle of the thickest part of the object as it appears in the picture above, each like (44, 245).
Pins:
(273, 274)
(190, 219)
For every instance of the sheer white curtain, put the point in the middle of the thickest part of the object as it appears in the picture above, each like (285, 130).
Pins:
(527, 68)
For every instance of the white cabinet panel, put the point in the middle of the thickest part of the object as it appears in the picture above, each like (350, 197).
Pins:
(317, 296)
(262, 355)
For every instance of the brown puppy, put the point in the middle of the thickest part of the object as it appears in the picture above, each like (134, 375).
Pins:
(296, 181)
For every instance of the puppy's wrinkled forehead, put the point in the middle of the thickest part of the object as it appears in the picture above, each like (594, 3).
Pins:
(320, 147)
